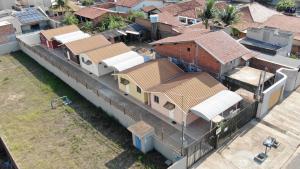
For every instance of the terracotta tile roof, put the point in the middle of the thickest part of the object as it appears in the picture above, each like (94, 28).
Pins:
(190, 89)
(49, 34)
(100, 54)
(222, 46)
(253, 15)
(189, 35)
(167, 18)
(286, 23)
(184, 8)
(149, 8)
(91, 12)
(153, 73)
(87, 44)
(127, 3)
(107, 5)
(140, 129)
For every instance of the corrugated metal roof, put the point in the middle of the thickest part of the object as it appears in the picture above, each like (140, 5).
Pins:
(216, 104)
(125, 61)
(70, 37)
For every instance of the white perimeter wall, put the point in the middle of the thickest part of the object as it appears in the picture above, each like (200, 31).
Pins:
(264, 106)
(123, 119)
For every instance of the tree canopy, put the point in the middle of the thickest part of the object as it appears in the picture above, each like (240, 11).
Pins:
(112, 22)
(229, 15)
(207, 13)
(284, 5)
(70, 19)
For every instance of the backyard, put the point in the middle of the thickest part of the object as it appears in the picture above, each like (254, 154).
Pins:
(75, 136)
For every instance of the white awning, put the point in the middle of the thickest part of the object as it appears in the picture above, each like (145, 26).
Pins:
(216, 104)
(131, 63)
(70, 37)
(125, 61)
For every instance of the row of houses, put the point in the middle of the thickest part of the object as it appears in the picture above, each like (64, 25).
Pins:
(179, 96)
(93, 53)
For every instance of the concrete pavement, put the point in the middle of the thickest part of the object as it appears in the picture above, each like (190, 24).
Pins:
(282, 123)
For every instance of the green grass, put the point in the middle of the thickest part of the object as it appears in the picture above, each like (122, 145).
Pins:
(77, 136)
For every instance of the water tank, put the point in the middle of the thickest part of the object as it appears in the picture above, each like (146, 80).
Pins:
(154, 18)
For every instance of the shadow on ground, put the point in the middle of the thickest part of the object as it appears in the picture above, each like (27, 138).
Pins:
(98, 119)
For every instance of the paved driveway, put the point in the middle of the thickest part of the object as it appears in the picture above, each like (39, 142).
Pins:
(282, 122)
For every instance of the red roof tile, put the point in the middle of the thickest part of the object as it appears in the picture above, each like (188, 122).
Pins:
(91, 12)
(127, 3)
(222, 46)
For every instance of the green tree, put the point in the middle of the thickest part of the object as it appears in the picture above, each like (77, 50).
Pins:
(70, 19)
(229, 15)
(87, 2)
(207, 13)
(135, 14)
(87, 26)
(112, 22)
(61, 3)
(282, 5)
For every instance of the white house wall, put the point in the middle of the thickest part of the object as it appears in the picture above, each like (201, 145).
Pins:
(93, 68)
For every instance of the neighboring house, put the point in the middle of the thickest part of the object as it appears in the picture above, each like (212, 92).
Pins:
(150, 10)
(7, 15)
(32, 19)
(125, 6)
(44, 4)
(253, 15)
(185, 11)
(286, 23)
(269, 40)
(47, 36)
(6, 4)
(200, 50)
(75, 48)
(8, 42)
(176, 97)
(92, 61)
(92, 14)
(138, 80)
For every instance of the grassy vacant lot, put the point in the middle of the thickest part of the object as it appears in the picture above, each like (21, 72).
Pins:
(77, 136)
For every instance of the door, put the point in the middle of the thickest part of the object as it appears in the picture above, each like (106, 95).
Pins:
(138, 143)
(171, 114)
(127, 89)
(68, 54)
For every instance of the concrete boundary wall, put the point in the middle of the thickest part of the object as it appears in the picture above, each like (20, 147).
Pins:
(9, 47)
(90, 95)
(272, 95)
(293, 79)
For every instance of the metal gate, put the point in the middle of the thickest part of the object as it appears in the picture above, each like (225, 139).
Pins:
(219, 135)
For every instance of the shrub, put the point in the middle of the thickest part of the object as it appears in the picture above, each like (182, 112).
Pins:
(283, 5)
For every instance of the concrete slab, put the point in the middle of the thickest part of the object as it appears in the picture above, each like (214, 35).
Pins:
(239, 153)
(282, 123)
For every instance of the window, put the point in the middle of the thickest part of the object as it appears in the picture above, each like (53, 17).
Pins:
(138, 89)
(156, 99)
(82, 59)
(169, 106)
(188, 49)
(124, 81)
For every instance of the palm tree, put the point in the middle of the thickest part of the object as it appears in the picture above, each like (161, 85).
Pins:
(229, 15)
(60, 3)
(207, 13)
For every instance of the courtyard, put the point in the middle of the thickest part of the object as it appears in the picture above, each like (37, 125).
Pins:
(75, 136)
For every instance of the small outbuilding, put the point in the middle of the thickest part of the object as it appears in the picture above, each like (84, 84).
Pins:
(142, 136)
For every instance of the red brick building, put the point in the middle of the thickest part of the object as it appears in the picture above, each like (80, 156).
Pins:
(214, 52)
(46, 36)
